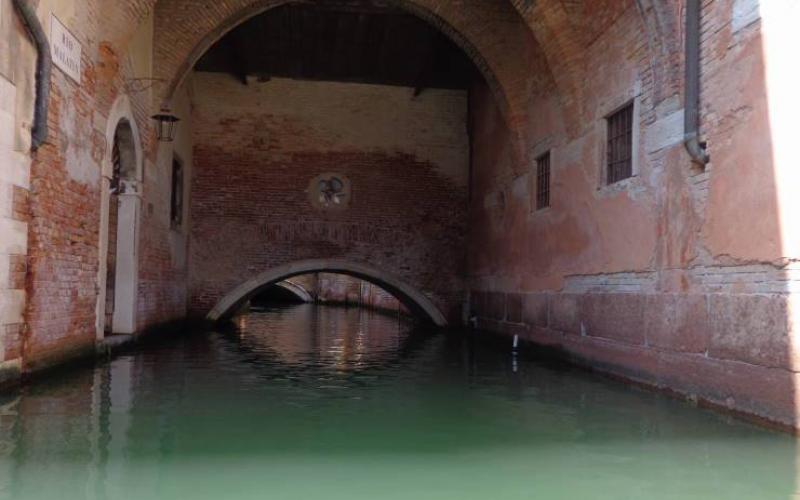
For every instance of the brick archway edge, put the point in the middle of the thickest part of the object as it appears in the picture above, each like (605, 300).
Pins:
(409, 295)
(295, 289)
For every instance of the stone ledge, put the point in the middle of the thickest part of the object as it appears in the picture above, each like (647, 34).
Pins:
(10, 372)
(12, 304)
(15, 168)
(113, 343)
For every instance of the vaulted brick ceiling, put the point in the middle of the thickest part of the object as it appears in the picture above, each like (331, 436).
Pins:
(341, 41)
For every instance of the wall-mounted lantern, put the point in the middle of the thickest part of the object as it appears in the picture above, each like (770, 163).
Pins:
(165, 125)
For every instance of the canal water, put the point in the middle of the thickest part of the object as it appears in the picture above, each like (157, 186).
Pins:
(309, 403)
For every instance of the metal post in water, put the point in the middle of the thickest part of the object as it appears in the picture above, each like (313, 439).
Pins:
(515, 344)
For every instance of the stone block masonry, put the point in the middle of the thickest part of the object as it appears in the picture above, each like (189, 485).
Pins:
(14, 219)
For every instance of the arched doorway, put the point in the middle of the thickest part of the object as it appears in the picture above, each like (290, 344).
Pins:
(120, 205)
(416, 301)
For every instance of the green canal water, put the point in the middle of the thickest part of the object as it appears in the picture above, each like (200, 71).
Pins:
(314, 403)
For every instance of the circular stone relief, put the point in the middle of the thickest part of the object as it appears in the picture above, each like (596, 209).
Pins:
(330, 191)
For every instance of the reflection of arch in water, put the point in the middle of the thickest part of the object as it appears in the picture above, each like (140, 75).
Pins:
(417, 302)
(247, 337)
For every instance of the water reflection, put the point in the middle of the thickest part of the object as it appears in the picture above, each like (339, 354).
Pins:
(339, 338)
(311, 402)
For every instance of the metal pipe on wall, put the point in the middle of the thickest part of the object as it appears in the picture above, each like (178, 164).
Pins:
(691, 137)
(43, 71)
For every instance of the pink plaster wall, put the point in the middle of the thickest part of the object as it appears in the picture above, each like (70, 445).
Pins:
(676, 277)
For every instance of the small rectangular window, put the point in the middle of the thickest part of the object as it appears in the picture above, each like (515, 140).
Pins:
(176, 198)
(619, 146)
(543, 181)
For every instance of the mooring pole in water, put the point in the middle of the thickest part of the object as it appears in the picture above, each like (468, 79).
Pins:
(515, 344)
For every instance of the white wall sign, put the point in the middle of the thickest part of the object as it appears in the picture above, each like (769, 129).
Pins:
(66, 49)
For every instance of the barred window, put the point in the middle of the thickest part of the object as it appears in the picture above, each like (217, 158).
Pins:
(619, 148)
(543, 181)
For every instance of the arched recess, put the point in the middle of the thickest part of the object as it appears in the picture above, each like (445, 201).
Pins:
(297, 290)
(490, 32)
(415, 300)
(120, 203)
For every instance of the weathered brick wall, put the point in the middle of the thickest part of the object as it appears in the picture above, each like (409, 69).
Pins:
(677, 277)
(63, 207)
(375, 297)
(63, 255)
(163, 260)
(338, 289)
(258, 147)
(343, 289)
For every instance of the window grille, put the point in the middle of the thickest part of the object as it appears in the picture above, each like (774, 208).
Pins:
(543, 181)
(619, 148)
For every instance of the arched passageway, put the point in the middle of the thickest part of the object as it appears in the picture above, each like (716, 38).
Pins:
(415, 300)
(584, 270)
(344, 137)
(650, 266)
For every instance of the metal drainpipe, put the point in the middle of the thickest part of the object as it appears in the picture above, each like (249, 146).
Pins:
(43, 69)
(691, 127)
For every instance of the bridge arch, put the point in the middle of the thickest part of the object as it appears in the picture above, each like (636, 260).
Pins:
(296, 290)
(414, 299)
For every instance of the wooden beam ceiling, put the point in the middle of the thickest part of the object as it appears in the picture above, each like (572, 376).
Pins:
(349, 41)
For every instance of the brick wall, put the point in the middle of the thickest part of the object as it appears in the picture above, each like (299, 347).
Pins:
(343, 289)
(163, 248)
(257, 148)
(61, 214)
